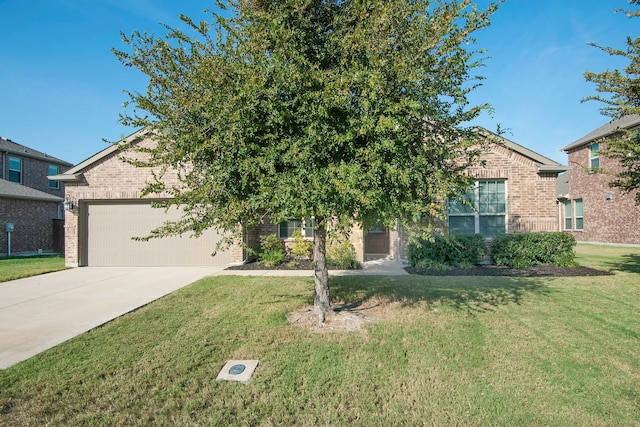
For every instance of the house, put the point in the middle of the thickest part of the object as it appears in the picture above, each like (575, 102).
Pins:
(29, 200)
(590, 208)
(514, 192)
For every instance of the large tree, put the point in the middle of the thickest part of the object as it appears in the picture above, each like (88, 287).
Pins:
(619, 90)
(344, 111)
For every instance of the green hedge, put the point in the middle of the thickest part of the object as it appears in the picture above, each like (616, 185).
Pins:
(528, 249)
(441, 251)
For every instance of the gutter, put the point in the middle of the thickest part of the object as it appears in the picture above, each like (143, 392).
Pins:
(53, 199)
(74, 177)
(552, 168)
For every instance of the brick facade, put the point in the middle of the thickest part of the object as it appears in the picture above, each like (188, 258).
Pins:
(112, 178)
(35, 172)
(609, 216)
(531, 197)
(31, 213)
(531, 193)
(33, 225)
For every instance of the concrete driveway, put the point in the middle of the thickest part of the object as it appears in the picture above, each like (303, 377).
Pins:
(40, 312)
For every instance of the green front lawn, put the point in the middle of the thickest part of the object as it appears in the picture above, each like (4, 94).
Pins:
(448, 351)
(18, 267)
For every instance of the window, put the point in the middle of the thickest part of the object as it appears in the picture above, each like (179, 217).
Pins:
(594, 156)
(286, 228)
(482, 209)
(54, 170)
(15, 169)
(568, 217)
(573, 219)
(578, 214)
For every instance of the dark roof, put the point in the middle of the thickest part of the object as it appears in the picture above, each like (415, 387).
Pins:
(626, 122)
(12, 190)
(562, 185)
(8, 146)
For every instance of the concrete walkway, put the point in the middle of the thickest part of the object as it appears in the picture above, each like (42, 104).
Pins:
(38, 313)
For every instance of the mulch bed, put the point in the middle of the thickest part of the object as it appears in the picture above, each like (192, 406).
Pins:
(494, 270)
(485, 270)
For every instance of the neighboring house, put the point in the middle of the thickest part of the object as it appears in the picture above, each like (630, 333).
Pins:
(514, 192)
(29, 200)
(590, 208)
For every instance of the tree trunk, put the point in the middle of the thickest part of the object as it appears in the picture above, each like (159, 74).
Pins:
(321, 301)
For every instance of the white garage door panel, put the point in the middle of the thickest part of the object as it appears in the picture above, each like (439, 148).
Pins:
(110, 228)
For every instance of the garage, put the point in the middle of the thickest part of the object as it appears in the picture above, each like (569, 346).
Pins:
(110, 227)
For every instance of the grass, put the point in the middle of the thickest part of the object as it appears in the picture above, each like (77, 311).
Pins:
(19, 267)
(450, 351)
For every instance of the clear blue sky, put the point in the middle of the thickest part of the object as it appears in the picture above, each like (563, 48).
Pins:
(61, 88)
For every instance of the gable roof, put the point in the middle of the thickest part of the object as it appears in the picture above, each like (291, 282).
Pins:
(75, 173)
(625, 122)
(8, 146)
(12, 190)
(544, 164)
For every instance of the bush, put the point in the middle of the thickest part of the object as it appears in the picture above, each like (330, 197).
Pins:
(301, 248)
(528, 249)
(271, 250)
(342, 254)
(443, 251)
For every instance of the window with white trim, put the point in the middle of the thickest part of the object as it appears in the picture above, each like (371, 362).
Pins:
(15, 169)
(482, 209)
(54, 170)
(288, 227)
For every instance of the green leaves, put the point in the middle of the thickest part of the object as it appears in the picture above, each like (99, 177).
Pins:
(619, 91)
(339, 109)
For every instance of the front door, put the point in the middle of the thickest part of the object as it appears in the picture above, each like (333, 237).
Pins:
(376, 242)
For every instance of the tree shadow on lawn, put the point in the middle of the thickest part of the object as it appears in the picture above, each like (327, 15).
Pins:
(628, 264)
(471, 294)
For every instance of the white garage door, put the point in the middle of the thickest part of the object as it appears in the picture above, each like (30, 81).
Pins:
(110, 228)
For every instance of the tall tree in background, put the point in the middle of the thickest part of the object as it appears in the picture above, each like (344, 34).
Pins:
(619, 90)
(338, 110)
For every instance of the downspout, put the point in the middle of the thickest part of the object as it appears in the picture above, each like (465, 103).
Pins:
(246, 242)
(4, 164)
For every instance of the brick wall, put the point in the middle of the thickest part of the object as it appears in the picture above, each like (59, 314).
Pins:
(111, 178)
(531, 197)
(605, 221)
(33, 222)
(34, 174)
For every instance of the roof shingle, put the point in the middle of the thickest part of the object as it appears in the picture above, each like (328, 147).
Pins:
(626, 122)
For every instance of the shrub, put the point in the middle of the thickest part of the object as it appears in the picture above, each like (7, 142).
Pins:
(342, 254)
(528, 249)
(443, 251)
(301, 248)
(271, 250)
